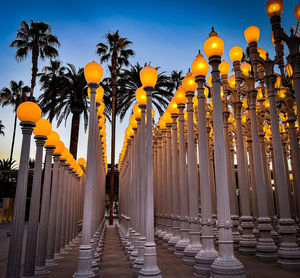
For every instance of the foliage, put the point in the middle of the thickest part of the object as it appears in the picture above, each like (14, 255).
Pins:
(1, 128)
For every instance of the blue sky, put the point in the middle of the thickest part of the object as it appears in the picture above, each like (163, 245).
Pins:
(167, 33)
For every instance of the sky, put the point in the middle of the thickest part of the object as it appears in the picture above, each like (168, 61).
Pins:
(166, 33)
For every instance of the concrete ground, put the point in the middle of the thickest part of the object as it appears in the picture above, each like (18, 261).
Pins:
(115, 264)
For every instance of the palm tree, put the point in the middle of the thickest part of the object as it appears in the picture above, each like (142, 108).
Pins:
(116, 51)
(36, 38)
(7, 164)
(1, 128)
(176, 78)
(129, 82)
(14, 96)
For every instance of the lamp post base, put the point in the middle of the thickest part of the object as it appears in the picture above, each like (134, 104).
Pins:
(179, 248)
(41, 270)
(203, 262)
(139, 262)
(190, 253)
(248, 241)
(227, 267)
(84, 269)
(150, 268)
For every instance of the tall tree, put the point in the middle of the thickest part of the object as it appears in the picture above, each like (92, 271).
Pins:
(176, 78)
(14, 96)
(1, 128)
(116, 52)
(129, 82)
(35, 37)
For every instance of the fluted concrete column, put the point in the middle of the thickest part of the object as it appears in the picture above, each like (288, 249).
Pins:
(194, 234)
(16, 238)
(266, 248)
(208, 253)
(183, 189)
(32, 231)
(226, 261)
(175, 187)
(248, 241)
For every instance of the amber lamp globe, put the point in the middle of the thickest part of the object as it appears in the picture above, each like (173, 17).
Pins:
(246, 68)
(136, 110)
(81, 161)
(133, 121)
(224, 67)
(214, 45)
(173, 107)
(236, 53)
(209, 81)
(42, 128)
(148, 76)
(65, 154)
(167, 117)
(274, 7)
(206, 92)
(59, 148)
(101, 108)
(252, 34)
(195, 101)
(93, 72)
(53, 139)
(162, 123)
(231, 81)
(262, 53)
(102, 120)
(99, 94)
(179, 96)
(29, 112)
(188, 83)
(200, 66)
(140, 95)
(297, 11)
(289, 70)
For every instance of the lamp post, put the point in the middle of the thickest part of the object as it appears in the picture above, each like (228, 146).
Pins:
(189, 86)
(148, 76)
(226, 261)
(93, 74)
(41, 131)
(28, 113)
(40, 264)
(207, 253)
(181, 100)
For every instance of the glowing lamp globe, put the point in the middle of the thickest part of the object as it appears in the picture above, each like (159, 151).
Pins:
(209, 81)
(101, 108)
(179, 96)
(236, 53)
(65, 154)
(102, 121)
(162, 123)
(140, 95)
(188, 83)
(136, 110)
(252, 34)
(81, 161)
(167, 117)
(289, 70)
(59, 148)
(29, 112)
(195, 101)
(93, 72)
(152, 113)
(278, 82)
(224, 67)
(69, 159)
(274, 7)
(173, 107)
(99, 94)
(231, 81)
(185, 115)
(297, 11)
(42, 128)
(133, 122)
(246, 68)
(53, 139)
(148, 76)
(206, 92)
(200, 66)
(262, 53)
(214, 45)
(259, 93)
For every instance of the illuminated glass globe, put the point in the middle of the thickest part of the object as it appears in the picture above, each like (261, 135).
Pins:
(43, 128)
(209, 81)
(297, 11)
(236, 53)
(179, 96)
(262, 53)
(224, 67)
(140, 95)
(252, 34)
(29, 112)
(188, 83)
(148, 76)
(173, 107)
(93, 72)
(167, 117)
(274, 7)
(214, 45)
(136, 111)
(59, 148)
(200, 66)
(53, 139)
(245, 68)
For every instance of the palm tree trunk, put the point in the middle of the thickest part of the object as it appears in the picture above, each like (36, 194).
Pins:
(13, 139)
(35, 55)
(74, 134)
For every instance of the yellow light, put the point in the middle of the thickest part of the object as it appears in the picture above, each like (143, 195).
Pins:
(267, 103)
(99, 94)
(42, 128)
(65, 154)
(173, 107)
(209, 81)
(101, 108)
(230, 118)
(289, 70)
(200, 66)
(259, 93)
(231, 81)
(185, 116)
(244, 101)
(297, 11)
(252, 34)
(167, 117)
(195, 101)
(262, 53)
(214, 45)
(188, 83)
(93, 72)
(291, 176)
(278, 82)
(282, 93)
(222, 93)
(81, 161)
(224, 67)
(60, 146)
(244, 118)
(140, 95)
(102, 120)
(153, 113)
(29, 112)
(295, 109)
(274, 7)
(246, 68)
(236, 53)
(148, 76)
(162, 123)
(206, 92)
(136, 111)
(179, 96)
(53, 139)
(133, 122)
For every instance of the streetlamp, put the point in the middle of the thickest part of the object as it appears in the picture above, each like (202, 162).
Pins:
(93, 74)
(28, 113)
(226, 261)
(41, 131)
(207, 253)
(189, 87)
(148, 76)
